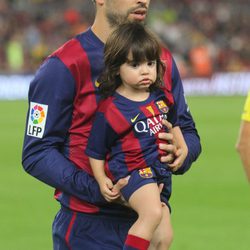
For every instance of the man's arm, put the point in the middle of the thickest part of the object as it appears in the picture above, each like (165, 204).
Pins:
(243, 142)
(53, 87)
(186, 122)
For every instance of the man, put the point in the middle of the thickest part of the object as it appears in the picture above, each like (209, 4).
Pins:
(243, 143)
(62, 103)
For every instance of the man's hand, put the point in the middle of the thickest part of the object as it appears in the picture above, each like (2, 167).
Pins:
(180, 155)
(170, 146)
(175, 147)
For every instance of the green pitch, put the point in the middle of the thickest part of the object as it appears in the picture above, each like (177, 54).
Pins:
(211, 203)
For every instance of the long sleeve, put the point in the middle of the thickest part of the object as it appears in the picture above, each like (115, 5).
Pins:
(186, 122)
(44, 155)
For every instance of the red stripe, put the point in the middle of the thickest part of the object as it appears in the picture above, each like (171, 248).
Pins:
(114, 116)
(155, 119)
(72, 221)
(121, 126)
(167, 78)
(153, 116)
(107, 169)
(76, 60)
(78, 205)
(82, 206)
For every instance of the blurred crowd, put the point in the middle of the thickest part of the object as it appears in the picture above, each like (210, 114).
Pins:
(205, 36)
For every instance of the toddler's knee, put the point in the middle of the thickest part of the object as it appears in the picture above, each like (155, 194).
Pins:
(156, 214)
(151, 216)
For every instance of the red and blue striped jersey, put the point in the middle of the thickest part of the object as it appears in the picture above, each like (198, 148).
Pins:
(126, 132)
(62, 104)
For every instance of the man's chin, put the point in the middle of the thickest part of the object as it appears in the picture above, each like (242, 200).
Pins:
(131, 18)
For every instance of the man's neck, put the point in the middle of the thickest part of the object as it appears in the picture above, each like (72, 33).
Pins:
(101, 29)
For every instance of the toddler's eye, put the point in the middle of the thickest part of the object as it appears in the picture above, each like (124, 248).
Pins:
(151, 63)
(134, 64)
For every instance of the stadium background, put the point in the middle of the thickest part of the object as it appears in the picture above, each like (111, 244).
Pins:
(211, 203)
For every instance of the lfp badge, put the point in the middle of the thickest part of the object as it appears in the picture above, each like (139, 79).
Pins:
(37, 119)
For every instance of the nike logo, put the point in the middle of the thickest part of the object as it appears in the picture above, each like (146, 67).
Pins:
(97, 84)
(134, 119)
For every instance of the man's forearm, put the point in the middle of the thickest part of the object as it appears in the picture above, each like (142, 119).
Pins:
(194, 150)
(58, 172)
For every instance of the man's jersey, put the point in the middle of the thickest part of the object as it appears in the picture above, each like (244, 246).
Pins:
(246, 113)
(62, 104)
(126, 132)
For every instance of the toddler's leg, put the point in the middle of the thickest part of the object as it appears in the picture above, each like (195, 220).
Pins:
(146, 202)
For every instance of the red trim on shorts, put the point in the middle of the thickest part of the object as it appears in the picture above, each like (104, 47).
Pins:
(67, 235)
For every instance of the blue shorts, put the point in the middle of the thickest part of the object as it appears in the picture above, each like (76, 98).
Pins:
(154, 174)
(79, 231)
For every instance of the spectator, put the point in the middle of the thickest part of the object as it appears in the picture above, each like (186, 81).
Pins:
(243, 143)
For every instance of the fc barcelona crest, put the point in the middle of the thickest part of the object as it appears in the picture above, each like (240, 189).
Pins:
(162, 106)
(146, 172)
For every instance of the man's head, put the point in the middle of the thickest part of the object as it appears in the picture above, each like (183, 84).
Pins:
(111, 13)
(120, 11)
